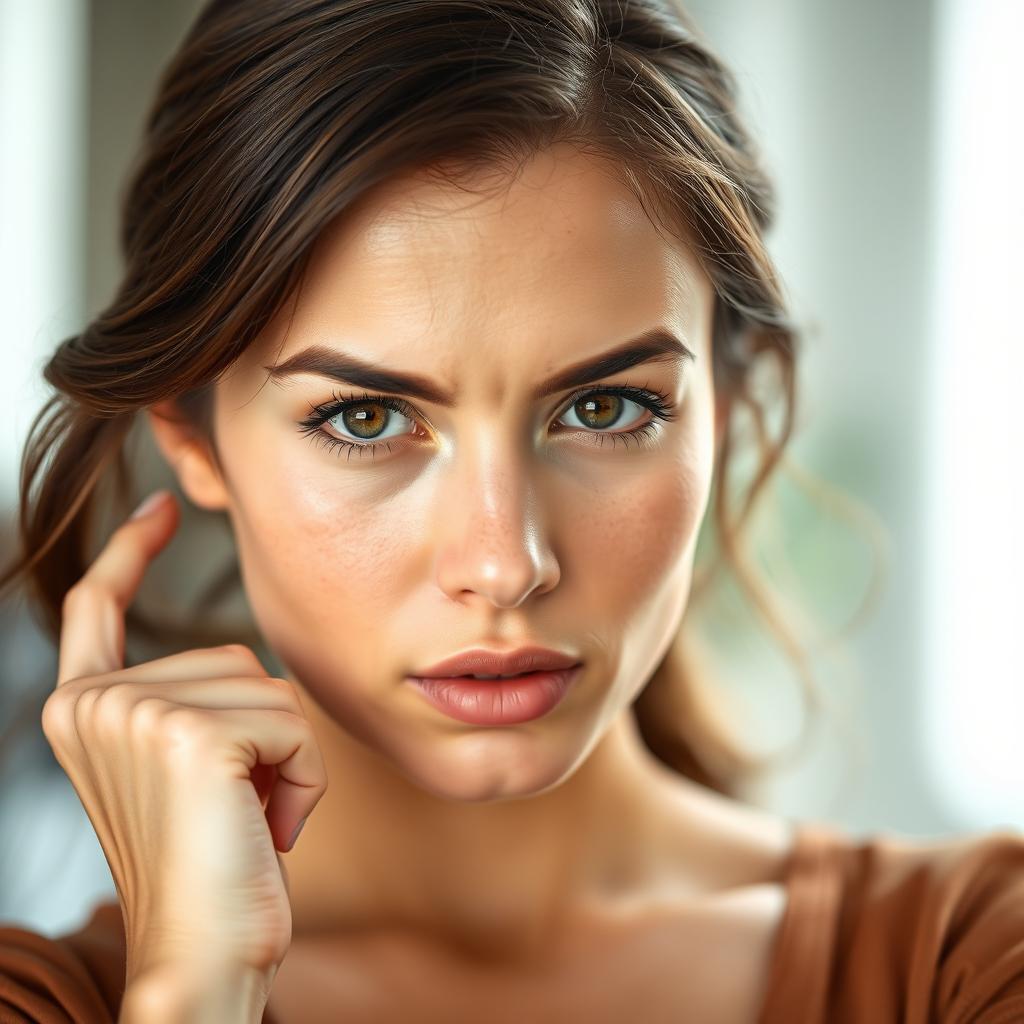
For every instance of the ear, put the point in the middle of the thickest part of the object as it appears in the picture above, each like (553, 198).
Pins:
(188, 455)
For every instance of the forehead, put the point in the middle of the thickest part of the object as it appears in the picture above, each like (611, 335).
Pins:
(550, 263)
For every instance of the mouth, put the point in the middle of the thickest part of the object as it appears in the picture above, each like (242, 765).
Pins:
(522, 697)
(483, 661)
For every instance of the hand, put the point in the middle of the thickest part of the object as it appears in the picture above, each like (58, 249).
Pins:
(194, 770)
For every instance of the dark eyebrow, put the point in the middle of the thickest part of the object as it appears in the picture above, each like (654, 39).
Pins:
(655, 344)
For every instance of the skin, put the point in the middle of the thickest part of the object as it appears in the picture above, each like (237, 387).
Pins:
(485, 525)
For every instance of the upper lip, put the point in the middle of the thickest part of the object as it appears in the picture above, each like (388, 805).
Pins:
(481, 661)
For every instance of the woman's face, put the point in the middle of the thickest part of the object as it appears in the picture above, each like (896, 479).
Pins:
(503, 518)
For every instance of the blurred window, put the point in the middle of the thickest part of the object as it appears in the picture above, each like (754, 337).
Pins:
(975, 614)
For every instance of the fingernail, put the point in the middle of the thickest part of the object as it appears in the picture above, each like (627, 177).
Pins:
(150, 503)
(295, 834)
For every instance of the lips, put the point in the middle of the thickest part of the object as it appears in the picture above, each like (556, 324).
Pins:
(482, 661)
(498, 702)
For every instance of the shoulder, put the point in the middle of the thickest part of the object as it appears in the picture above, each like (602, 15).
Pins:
(941, 918)
(76, 976)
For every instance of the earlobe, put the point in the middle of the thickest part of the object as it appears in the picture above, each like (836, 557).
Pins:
(188, 455)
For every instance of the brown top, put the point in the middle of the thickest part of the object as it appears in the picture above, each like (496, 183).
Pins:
(887, 928)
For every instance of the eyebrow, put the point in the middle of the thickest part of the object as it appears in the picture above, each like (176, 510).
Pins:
(656, 344)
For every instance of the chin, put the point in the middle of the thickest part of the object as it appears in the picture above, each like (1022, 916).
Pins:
(486, 768)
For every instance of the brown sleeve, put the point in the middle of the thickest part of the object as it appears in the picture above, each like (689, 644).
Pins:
(76, 977)
(896, 928)
(981, 980)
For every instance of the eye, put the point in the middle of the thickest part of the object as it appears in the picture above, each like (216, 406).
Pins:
(595, 409)
(601, 410)
(366, 420)
(598, 409)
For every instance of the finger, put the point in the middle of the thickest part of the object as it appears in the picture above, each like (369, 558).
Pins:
(196, 663)
(287, 742)
(221, 693)
(92, 619)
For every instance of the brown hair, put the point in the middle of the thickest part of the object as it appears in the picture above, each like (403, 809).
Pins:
(273, 117)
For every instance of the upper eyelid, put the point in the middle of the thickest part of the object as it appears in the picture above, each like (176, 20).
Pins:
(337, 401)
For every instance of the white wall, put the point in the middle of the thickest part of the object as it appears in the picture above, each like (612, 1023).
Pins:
(893, 129)
(43, 79)
(972, 721)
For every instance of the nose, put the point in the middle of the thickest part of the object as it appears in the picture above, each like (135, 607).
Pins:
(491, 531)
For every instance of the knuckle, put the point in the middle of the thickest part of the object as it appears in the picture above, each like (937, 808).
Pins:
(57, 715)
(112, 703)
(284, 685)
(244, 654)
(95, 725)
(147, 712)
(86, 701)
(184, 727)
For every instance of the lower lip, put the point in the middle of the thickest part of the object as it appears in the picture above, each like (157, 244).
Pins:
(497, 701)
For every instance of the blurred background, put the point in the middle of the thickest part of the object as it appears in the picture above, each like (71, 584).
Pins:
(893, 134)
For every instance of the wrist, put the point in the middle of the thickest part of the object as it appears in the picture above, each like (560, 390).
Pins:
(197, 994)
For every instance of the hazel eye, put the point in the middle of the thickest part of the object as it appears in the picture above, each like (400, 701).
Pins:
(600, 410)
(365, 421)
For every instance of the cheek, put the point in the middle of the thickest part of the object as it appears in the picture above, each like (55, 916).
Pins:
(631, 542)
(635, 537)
(321, 553)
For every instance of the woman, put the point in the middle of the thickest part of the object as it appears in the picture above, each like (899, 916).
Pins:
(451, 308)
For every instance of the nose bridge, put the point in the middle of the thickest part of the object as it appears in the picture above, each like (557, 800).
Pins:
(490, 530)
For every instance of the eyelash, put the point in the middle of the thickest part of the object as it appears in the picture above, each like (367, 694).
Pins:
(660, 405)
